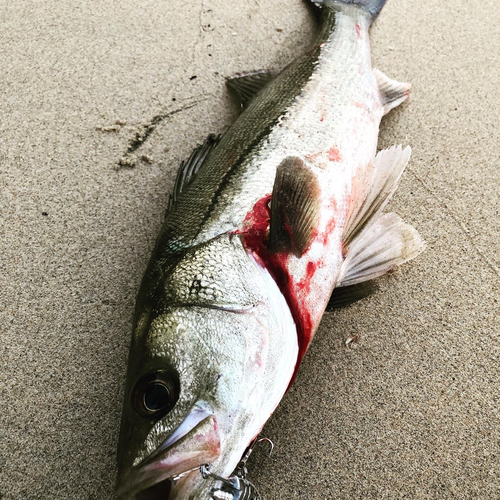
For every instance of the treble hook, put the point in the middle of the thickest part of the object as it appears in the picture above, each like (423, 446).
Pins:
(237, 486)
(233, 488)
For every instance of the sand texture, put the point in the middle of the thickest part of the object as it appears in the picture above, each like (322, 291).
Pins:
(412, 411)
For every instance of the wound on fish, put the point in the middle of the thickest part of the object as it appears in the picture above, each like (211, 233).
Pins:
(254, 234)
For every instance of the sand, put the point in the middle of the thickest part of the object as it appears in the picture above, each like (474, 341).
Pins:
(411, 411)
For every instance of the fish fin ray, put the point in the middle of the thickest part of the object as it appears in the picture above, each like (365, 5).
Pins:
(247, 85)
(346, 295)
(295, 207)
(393, 92)
(385, 242)
(375, 188)
(188, 170)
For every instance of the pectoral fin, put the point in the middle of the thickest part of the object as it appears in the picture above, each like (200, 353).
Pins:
(295, 207)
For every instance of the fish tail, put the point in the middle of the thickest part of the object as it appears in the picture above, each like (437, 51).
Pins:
(372, 7)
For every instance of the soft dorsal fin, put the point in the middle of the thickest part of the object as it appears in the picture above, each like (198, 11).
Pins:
(295, 207)
(384, 244)
(248, 85)
(393, 92)
(189, 169)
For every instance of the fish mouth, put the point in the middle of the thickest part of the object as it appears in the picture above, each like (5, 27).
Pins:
(194, 443)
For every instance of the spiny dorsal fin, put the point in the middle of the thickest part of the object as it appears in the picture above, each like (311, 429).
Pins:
(385, 242)
(375, 186)
(295, 207)
(248, 85)
(188, 170)
(393, 92)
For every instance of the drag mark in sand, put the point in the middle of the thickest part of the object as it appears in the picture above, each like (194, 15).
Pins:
(144, 131)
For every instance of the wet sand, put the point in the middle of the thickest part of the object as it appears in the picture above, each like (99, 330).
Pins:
(411, 411)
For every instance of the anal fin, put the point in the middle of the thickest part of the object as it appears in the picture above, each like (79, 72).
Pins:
(382, 245)
(295, 207)
(393, 92)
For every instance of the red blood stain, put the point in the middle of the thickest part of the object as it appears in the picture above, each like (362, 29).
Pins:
(254, 234)
(334, 154)
(311, 268)
(358, 30)
(328, 230)
(304, 285)
(321, 119)
(210, 439)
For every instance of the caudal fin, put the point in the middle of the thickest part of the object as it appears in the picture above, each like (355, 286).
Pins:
(373, 7)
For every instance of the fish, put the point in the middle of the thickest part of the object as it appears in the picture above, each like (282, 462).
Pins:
(268, 225)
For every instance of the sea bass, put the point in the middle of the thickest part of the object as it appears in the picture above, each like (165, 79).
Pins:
(265, 226)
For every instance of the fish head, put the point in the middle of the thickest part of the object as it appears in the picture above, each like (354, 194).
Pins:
(169, 421)
(190, 401)
(202, 381)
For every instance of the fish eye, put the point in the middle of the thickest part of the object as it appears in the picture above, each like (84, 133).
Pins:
(155, 394)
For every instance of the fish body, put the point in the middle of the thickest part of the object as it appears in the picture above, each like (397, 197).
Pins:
(263, 225)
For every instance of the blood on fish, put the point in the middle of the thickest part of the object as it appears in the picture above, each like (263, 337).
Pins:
(254, 232)
(311, 268)
(304, 285)
(334, 154)
(329, 229)
(358, 30)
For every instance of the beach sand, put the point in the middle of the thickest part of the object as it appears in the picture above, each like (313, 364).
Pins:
(411, 411)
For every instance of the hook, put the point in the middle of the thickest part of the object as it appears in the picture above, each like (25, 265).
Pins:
(252, 446)
(267, 440)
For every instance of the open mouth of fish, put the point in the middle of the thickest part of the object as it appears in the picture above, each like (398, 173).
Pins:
(194, 443)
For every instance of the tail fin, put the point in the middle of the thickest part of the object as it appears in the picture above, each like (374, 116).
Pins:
(373, 7)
